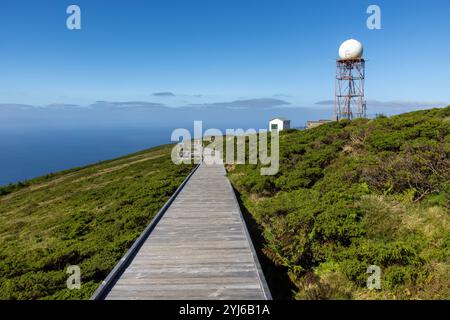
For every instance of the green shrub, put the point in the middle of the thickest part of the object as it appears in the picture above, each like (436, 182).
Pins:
(353, 194)
(86, 216)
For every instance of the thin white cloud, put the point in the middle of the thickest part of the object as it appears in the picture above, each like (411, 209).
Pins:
(263, 103)
(404, 104)
(127, 105)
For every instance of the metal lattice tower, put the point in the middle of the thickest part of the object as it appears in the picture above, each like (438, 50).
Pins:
(349, 90)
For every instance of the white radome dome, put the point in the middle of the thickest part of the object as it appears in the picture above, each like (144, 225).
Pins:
(351, 49)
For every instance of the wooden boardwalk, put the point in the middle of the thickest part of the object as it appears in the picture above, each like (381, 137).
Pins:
(200, 249)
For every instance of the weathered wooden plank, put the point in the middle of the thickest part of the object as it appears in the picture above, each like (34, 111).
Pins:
(200, 249)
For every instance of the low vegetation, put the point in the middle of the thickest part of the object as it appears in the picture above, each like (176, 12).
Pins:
(348, 195)
(87, 217)
(357, 193)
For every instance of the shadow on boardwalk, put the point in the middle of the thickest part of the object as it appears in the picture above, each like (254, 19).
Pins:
(281, 287)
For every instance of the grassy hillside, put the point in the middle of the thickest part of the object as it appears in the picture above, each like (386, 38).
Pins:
(87, 217)
(354, 194)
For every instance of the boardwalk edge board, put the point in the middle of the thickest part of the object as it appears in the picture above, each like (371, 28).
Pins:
(261, 277)
(115, 274)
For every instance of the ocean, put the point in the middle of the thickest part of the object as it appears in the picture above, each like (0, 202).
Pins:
(29, 154)
(35, 142)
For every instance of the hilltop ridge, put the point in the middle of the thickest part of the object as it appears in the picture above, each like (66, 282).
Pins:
(352, 194)
(87, 216)
(348, 195)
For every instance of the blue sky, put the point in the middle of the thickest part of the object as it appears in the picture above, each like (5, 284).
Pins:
(69, 98)
(208, 51)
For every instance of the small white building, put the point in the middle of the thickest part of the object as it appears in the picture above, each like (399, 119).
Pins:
(279, 124)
